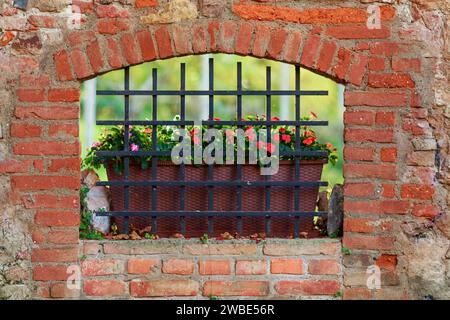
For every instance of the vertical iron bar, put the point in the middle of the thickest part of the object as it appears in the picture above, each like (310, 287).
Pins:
(210, 167)
(269, 140)
(297, 148)
(182, 166)
(239, 167)
(154, 145)
(126, 148)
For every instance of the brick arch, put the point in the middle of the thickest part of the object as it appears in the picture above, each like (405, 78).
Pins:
(89, 54)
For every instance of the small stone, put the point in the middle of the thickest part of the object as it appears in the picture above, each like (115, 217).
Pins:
(213, 8)
(174, 11)
(98, 198)
(336, 210)
(27, 44)
(424, 144)
(89, 178)
(50, 5)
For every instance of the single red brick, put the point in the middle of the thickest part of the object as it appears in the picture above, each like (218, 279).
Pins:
(163, 288)
(357, 293)
(326, 56)
(45, 182)
(385, 118)
(249, 267)
(358, 154)
(236, 288)
(15, 166)
(261, 40)
(60, 290)
(63, 236)
(227, 36)
(343, 64)
(388, 154)
(181, 39)
(214, 267)
(51, 201)
(425, 210)
(358, 69)
(54, 254)
(369, 242)
(405, 64)
(105, 288)
(360, 190)
(365, 118)
(30, 95)
(213, 31)
(307, 287)
(80, 64)
(323, 266)
(111, 11)
(63, 130)
(368, 135)
(178, 266)
(357, 32)
(142, 266)
(129, 48)
(62, 65)
(243, 39)
(102, 267)
(50, 272)
(64, 95)
(293, 47)
(416, 191)
(286, 266)
(57, 218)
(387, 262)
(375, 99)
(47, 113)
(394, 80)
(65, 164)
(360, 225)
(114, 55)
(25, 130)
(112, 26)
(46, 148)
(94, 54)
(199, 44)
(388, 190)
(146, 3)
(385, 48)
(163, 42)
(144, 38)
(380, 207)
(310, 51)
(276, 43)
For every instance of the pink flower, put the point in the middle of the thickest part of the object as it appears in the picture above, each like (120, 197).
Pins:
(134, 147)
(286, 138)
(96, 144)
(196, 139)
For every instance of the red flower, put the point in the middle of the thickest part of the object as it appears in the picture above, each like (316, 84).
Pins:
(282, 130)
(308, 141)
(251, 134)
(286, 138)
(216, 119)
(329, 146)
(270, 147)
(275, 119)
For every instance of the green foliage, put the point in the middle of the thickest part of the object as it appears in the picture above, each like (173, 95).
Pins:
(212, 297)
(346, 251)
(150, 236)
(338, 294)
(86, 229)
(204, 238)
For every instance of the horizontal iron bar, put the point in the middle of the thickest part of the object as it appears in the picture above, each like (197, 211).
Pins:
(212, 92)
(216, 183)
(211, 213)
(209, 122)
(122, 153)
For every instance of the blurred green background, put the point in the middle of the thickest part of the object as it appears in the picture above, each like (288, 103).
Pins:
(253, 76)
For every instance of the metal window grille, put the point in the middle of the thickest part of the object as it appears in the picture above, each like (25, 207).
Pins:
(238, 184)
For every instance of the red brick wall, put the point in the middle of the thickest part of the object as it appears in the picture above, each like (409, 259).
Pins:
(390, 158)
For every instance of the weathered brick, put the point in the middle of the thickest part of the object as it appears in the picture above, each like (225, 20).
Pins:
(178, 266)
(294, 248)
(102, 267)
(425, 210)
(64, 95)
(326, 55)
(57, 218)
(50, 272)
(25, 130)
(249, 267)
(358, 154)
(236, 288)
(163, 288)
(163, 42)
(62, 65)
(214, 267)
(323, 266)
(307, 287)
(145, 40)
(286, 266)
(220, 249)
(142, 266)
(369, 242)
(414, 191)
(390, 80)
(105, 288)
(46, 148)
(375, 99)
(243, 39)
(276, 43)
(63, 236)
(54, 255)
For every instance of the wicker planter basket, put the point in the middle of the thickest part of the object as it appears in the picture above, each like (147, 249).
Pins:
(225, 198)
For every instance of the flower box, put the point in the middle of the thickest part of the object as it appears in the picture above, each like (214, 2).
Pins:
(225, 198)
